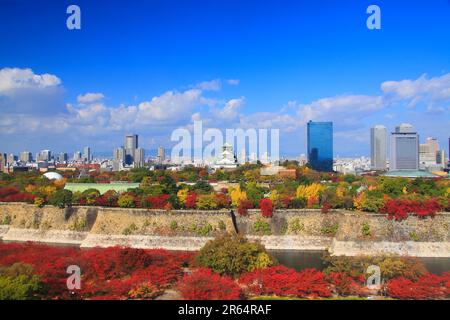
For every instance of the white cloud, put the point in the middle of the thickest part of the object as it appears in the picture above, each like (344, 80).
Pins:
(233, 82)
(90, 97)
(212, 85)
(16, 78)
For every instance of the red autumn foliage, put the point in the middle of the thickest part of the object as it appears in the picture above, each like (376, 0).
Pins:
(11, 194)
(266, 207)
(286, 202)
(283, 281)
(400, 209)
(204, 284)
(106, 273)
(325, 208)
(428, 286)
(156, 202)
(108, 199)
(243, 207)
(191, 200)
(345, 285)
(222, 200)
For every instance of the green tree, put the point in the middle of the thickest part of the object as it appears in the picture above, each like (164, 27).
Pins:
(61, 198)
(233, 254)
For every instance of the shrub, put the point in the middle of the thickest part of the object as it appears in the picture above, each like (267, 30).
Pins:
(298, 203)
(155, 202)
(262, 227)
(345, 285)
(243, 207)
(325, 208)
(145, 291)
(283, 281)
(126, 201)
(400, 209)
(191, 200)
(203, 230)
(365, 230)
(130, 229)
(231, 255)
(204, 284)
(60, 198)
(18, 282)
(206, 202)
(428, 286)
(266, 206)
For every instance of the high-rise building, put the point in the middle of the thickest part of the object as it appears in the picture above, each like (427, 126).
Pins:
(87, 157)
(131, 144)
(139, 157)
(404, 153)
(11, 158)
(161, 155)
(62, 157)
(25, 157)
(44, 155)
(2, 162)
(378, 147)
(320, 145)
(118, 158)
(77, 156)
(440, 158)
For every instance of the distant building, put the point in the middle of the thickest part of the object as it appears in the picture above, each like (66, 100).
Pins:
(131, 144)
(161, 157)
(11, 158)
(62, 157)
(378, 147)
(227, 159)
(44, 155)
(77, 156)
(3, 162)
(118, 158)
(139, 158)
(87, 156)
(320, 145)
(25, 157)
(404, 153)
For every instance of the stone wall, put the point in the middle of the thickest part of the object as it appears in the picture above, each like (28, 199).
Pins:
(341, 232)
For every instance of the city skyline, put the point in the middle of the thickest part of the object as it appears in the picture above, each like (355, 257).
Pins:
(77, 88)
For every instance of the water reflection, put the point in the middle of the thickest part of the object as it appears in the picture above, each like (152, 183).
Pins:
(299, 260)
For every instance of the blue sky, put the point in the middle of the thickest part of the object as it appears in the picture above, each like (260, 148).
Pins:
(153, 66)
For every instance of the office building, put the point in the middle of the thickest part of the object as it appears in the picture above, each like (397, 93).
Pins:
(404, 153)
(25, 157)
(320, 145)
(139, 158)
(130, 145)
(44, 155)
(77, 156)
(378, 147)
(161, 155)
(87, 157)
(62, 157)
(3, 162)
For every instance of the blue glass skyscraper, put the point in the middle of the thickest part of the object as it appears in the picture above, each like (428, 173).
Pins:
(320, 145)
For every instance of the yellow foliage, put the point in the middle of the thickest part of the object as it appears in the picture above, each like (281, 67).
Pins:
(307, 192)
(30, 188)
(237, 196)
(404, 190)
(359, 200)
(182, 195)
(275, 197)
(340, 191)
